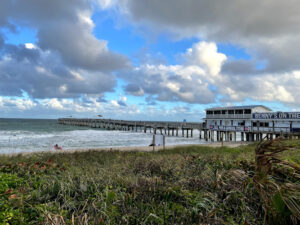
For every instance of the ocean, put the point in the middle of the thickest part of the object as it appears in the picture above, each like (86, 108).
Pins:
(33, 135)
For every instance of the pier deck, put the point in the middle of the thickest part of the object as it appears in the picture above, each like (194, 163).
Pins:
(163, 127)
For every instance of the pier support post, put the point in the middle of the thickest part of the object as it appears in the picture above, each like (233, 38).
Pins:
(177, 132)
(251, 136)
(192, 132)
(200, 134)
(226, 135)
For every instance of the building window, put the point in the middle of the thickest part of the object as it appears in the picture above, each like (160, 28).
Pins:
(241, 123)
(254, 124)
(209, 112)
(223, 112)
(239, 111)
(217, 112)
(247, 111)
(231, 112)
(231, 122)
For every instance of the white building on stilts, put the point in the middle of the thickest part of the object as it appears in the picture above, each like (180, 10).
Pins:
(250, 123)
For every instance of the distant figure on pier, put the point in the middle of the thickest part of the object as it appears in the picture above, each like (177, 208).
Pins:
(56, 147)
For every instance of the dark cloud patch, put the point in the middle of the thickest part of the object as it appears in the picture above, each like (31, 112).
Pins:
(47, 77)
(5, 10)
(269, 30)
(67, 61)
(233, 17)
(9, 104)
(122, 103)
(79, 48)
(133, 89)
(238, 67)
(101, 99)
(20, 53)
(167, 85)
(152, 103)
(1, 41)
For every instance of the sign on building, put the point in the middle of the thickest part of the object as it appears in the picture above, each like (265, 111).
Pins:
(276, 116)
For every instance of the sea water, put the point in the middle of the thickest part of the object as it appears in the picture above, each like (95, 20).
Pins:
(31, 135)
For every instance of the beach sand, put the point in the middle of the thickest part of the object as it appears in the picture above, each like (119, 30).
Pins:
(134, 148)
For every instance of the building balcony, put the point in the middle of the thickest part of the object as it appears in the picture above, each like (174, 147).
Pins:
(229, 116)
(253, 129)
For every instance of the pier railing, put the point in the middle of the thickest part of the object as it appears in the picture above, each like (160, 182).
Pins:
(167, 127)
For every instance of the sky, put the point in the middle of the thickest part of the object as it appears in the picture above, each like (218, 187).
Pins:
(147, 60)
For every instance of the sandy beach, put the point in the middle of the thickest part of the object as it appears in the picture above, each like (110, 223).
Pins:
(133, 148)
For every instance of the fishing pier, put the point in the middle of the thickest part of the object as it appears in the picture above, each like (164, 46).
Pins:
(235, 123)
(156, 127)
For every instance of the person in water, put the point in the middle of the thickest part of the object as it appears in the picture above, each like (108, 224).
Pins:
(56, 147)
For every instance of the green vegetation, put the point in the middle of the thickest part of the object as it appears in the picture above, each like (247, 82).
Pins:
(186, 185)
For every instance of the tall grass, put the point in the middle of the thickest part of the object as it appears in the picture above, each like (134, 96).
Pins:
(186, 185)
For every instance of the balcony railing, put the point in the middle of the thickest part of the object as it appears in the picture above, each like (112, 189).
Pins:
(229, 116)
(252, 129)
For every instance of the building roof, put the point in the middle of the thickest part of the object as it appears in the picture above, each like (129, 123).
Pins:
(238, 107)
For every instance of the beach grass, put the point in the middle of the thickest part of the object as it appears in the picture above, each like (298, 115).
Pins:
(183, 185)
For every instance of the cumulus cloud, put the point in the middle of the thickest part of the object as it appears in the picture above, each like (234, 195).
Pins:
(268, 29)
(67, 29)
(190, 82)
(42, 74)
(67, 60)
(264, 87)
(17, 104)
(206, 74)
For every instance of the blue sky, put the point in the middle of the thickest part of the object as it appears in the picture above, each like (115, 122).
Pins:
(139, 59)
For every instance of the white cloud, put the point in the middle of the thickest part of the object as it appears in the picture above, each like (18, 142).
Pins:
(189, 82)
(30, 46)
(106, 3)
(55, 104)
(17, 104)
(204, 53)
(114, 103)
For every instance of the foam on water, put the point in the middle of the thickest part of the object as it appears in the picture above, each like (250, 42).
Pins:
(43, 135)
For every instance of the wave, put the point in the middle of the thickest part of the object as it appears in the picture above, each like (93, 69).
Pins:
(23, 141)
